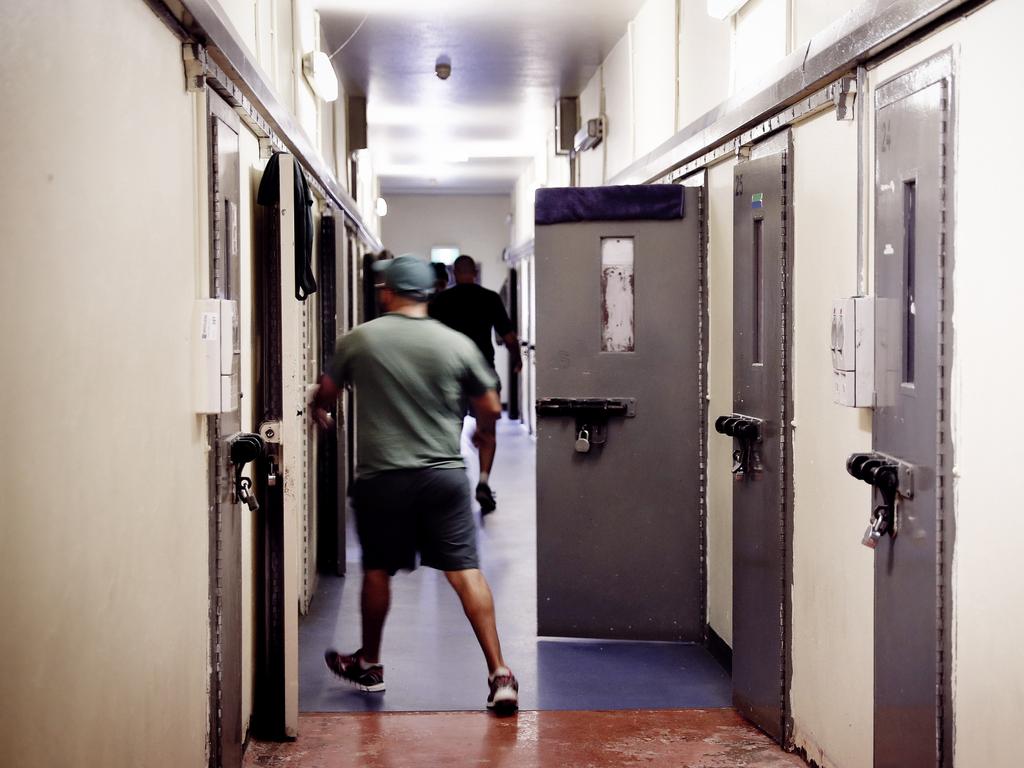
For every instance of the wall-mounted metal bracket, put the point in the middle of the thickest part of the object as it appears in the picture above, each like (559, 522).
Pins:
(194, 57)
(266, 148)
(270, 431)
(844, 96)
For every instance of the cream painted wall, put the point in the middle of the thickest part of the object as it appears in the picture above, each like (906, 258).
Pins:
(761, 37)
(591, 163)
(833, 575)
(103, 534)
(720, 480)
(617, 82)
(242, 14)
(988, 592)
(282, 69)
(705, 50)
(654, 75)
(523, 196)
(477, 224)
(812, 16)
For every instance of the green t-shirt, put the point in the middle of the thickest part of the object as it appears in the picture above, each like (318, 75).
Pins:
(412, 377)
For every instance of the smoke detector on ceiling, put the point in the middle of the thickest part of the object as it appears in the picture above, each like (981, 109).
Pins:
(443, 67)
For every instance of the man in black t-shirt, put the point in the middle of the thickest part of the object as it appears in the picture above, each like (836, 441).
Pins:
(473, 310)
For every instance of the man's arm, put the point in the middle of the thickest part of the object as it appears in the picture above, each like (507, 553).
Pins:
(504, 328)
(511, 340)
(324, 398)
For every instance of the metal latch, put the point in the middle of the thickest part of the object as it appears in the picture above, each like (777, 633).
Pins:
(243, 448)
(893, 479)
(591, 415)
(746, 431)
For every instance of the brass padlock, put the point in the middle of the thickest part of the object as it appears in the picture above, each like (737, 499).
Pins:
(583, 441)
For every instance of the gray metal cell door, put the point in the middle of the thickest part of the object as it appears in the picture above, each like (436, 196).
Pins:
(761, 403)
(225, 519)
(913, 176)
(619, 527)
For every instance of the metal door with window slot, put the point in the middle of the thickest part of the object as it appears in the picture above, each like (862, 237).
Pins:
(913, 239)
(620, 406)
(759, 427)
(226, 725)
(331, 460)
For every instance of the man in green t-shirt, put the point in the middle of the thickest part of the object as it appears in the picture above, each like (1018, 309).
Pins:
(412, 376)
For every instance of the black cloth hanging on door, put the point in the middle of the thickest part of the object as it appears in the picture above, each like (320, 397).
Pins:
(270, 194)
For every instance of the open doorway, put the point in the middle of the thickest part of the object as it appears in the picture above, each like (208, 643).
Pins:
(430, 654)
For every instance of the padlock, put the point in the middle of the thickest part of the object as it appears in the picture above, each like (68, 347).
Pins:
(583, 441)
(879, 526)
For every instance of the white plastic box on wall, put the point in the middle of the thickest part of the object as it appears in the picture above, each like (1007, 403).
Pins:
(853, 351)
(215, 382)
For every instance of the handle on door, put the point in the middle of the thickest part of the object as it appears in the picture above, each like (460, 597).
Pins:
(893, 479)
(243, 448)
(746, 431)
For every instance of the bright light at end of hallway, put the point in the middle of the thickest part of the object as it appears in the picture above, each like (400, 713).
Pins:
(382, 207)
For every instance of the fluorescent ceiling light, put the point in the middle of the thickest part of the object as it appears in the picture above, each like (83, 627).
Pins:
(723, 9)
(316, 66)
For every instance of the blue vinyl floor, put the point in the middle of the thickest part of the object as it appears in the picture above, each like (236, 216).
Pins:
(432, 661)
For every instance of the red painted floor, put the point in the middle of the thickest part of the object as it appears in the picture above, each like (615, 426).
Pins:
(691, 738)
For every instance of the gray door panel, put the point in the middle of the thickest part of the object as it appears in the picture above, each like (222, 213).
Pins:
(619, 534)
(761, 508)
(913, 183)
(225, 521)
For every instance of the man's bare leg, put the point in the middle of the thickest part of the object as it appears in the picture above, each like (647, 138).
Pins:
(478, 603)
(487, 410)
(374, 603)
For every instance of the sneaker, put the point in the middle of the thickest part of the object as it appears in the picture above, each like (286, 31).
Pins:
(504, 698)
(349, 669)
(485, 497)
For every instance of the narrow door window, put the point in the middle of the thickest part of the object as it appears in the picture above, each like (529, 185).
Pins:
(909, 277)
(758, 297)
(617, 300)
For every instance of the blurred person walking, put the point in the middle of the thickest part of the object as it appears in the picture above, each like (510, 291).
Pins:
(412, 376)
(474, 311)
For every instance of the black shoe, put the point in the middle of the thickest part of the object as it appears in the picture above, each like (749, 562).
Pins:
(351, 671)
(504, 698)
(485, 497)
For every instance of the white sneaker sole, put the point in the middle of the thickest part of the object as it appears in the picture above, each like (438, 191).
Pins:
(505, 700)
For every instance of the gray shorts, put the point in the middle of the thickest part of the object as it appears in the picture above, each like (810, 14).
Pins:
(408, 511)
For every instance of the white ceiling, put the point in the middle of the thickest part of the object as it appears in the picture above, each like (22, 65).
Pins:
(510, 60)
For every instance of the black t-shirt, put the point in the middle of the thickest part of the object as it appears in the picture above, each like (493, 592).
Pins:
(473, 310)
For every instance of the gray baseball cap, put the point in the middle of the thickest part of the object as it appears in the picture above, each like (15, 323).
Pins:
(407, 274)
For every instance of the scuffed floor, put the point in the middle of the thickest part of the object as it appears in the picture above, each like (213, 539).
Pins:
(691, 738)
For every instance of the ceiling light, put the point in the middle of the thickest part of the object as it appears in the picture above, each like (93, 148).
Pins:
(316, 66)
(723, 9)
(382, 206)
(443, 67)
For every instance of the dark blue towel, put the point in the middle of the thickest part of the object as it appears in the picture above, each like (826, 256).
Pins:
(558, 205)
